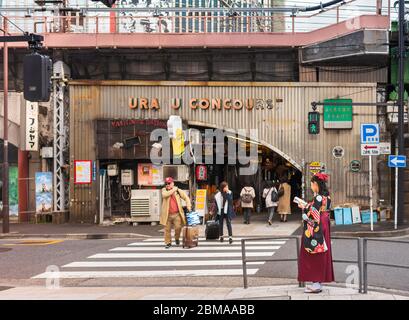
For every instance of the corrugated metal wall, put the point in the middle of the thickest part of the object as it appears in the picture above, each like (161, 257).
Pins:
(283, 128)
(344, 74)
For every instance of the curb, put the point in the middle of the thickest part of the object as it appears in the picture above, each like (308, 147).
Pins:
(371, 234)
(99, 236)
(77, 236)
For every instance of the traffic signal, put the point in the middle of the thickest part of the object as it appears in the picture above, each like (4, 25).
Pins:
(108, 3)
(37, 77)
(313, 122)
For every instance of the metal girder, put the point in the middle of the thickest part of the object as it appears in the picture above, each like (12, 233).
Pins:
(24, 38)
(60, 137)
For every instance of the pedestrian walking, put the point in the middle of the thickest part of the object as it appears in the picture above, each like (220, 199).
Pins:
(224, 205)
(315, 262)
(247, 196)
(270, 194)
(284, 202)
(172, 213)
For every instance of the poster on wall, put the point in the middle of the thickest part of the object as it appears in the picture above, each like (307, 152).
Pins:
(13, 191)
(82, 171)
(150, 175)
(44, 191)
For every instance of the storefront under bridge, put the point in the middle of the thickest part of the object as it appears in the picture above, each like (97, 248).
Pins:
(278, 112)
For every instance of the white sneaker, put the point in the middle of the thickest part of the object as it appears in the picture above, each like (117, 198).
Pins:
(315, 288)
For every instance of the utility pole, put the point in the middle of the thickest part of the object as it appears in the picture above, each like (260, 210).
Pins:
(6, 228)
(34, 41)
(401, 139)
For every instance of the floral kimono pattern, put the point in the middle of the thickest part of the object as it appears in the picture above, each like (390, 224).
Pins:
(314, 241)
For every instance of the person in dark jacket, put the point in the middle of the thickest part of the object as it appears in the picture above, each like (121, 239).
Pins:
(224, 204)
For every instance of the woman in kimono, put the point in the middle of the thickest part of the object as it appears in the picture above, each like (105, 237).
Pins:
(315, 262)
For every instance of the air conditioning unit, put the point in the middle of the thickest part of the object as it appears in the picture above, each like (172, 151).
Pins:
(145, 205)
(179, 173)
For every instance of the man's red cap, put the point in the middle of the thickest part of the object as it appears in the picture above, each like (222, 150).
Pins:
(169, 180)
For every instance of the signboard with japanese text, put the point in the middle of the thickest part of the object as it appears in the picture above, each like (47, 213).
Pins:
(315, 167)
(201, 202)
(82, 171)
(370, 150)
(385, 148)
(338, 117)
(32, 126)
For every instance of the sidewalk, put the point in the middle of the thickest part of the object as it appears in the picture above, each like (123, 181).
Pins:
(287, 292)
(381, 229)
(257, 228)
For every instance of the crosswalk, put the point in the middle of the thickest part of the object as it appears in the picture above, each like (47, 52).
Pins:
(148, 258)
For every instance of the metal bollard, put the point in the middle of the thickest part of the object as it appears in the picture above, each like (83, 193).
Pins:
(365, 265)
(297, 248)
(360, 241)
(243, 259)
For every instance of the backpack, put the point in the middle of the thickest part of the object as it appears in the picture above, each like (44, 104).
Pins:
(274, 195)
(246, 197)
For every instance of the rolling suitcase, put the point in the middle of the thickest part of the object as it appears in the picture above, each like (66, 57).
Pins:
(190, 236)
(212, 230)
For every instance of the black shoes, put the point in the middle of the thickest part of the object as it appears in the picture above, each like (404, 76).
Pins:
(177, 242)
(230, 240)
(167, 246)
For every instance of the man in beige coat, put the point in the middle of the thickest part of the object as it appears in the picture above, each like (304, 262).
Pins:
(172, 212)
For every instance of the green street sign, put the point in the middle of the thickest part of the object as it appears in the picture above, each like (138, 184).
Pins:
(338, 117)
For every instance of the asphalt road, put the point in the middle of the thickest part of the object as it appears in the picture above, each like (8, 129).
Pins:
(20, 262)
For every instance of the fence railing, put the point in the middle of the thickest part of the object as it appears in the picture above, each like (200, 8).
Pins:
(194, 22)
(361, 261)
(367, 262)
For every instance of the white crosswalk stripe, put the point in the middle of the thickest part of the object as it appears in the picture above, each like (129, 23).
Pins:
(208, 243)
(201, 248)
(148, 258)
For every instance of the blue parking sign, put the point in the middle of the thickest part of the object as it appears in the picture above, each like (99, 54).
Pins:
(369, 133)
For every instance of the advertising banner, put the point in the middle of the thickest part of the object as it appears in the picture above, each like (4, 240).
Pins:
(44, 191)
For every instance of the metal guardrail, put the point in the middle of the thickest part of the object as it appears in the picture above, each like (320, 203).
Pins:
(358, 262)
(362, 257)
(190, 20)
(245, 260)
(366, 263)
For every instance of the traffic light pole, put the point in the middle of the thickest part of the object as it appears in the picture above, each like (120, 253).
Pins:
(34, 42)
(401, 139)
(5, 195)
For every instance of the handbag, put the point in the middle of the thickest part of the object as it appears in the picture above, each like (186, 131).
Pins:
(313, 240)
(274, 195)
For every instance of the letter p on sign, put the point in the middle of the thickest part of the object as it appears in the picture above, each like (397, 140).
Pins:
(369, 133)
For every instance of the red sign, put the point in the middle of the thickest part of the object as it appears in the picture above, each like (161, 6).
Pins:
(201, 173)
